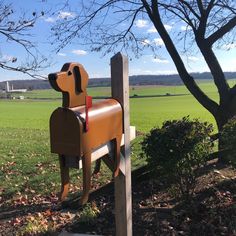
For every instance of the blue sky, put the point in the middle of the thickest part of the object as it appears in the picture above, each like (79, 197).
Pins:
(94, 63)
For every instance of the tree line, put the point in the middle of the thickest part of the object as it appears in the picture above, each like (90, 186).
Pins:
(135, 80)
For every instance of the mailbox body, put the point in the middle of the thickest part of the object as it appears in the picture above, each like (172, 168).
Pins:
(67, 127)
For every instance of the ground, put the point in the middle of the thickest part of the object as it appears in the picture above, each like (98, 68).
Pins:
(157, 209)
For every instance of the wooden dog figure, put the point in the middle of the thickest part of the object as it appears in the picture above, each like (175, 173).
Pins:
(78, 127)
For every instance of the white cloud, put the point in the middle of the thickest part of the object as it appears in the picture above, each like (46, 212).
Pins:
(50, 19)
(138, 71)
(7, 58)
(145, 42)
(61, 15)
(96, 75)
(61, 54)
(229, 65)
(229, 46)
(66, 14)
(152, 30)
(79, 52)
(168, 27)
(159, 60)
(141, 23)
(185, 27)
(193, 59)
(166, 72)
(158, 41)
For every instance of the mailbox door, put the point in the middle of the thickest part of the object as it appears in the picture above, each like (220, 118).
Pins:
(65, 132)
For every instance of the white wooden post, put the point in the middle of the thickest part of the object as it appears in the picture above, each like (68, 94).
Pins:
(123, 194)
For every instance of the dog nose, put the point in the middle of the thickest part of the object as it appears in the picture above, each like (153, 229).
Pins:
(52, 76)
(53, 81)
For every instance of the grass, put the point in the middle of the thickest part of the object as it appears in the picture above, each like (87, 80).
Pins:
(26, 161)
(149, 112)
(206, 85)
(26, 114)
(24, 155)
(52, 94)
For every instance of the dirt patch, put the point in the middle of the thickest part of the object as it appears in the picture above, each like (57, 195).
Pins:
(157, 210)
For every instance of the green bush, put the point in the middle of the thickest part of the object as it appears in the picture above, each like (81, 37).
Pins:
(228, 139)
(177, 149)
(89, 213)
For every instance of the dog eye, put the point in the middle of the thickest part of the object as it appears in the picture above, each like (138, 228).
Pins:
(69, 73)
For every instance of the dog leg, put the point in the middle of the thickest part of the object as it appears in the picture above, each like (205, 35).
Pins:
(64, 178)
(86, 162)
(117, 156)
(109, 162)
(97, 167)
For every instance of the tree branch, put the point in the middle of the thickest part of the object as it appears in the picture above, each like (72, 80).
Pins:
(200, 32)
(222, 31)
(200, 7)
(216, 71)
(190, 9)
(16, 30)
(186, 16)
(188, 80)
(30, 71)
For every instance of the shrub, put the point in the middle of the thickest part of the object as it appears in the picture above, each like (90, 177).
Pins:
(89, 213)
(177, 149)
(228, 139)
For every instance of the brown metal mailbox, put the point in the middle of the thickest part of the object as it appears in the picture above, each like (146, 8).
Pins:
(77, 128)
(67, 128)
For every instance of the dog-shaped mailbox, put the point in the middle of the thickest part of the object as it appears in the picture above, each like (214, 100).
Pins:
(79, 127)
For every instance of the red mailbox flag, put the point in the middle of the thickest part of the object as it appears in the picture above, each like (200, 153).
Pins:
(88, 104)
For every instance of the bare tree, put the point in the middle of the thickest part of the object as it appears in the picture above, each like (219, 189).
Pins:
(16, 30)
(110, 27)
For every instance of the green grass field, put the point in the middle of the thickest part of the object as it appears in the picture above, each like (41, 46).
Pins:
(35, 113)
(26, 161)
(206, 85)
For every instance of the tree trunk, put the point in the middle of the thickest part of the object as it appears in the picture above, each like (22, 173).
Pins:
(226, 108)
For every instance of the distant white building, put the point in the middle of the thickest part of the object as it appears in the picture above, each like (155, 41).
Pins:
(12, 90)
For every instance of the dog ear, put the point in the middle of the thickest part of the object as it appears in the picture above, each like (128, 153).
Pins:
(81, 78)
(78, 79)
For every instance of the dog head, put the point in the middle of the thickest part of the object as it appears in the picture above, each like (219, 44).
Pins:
(72, 81)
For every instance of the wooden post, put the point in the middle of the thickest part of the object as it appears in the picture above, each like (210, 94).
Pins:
(123, 194)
